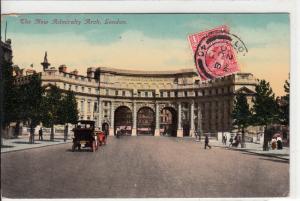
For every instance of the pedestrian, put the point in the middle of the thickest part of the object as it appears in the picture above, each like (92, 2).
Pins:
(273, 143)
(230, 141)
(31, 135)
(66, 132)
(197, 136)
(279, 143)
(225, 139)
(118, 132)
(206, 142)
(106, 135)
(41, 134)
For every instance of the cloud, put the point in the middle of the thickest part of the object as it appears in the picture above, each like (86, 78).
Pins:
(272, 35)
(134, 50)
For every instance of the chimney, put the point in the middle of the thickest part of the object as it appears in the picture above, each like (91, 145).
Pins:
(62, 68)
(91, 72)
(75, 72)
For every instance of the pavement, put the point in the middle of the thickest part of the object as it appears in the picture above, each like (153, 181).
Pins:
(256, 148)
(22, 143)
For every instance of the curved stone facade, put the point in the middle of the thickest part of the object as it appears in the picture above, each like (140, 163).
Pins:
(177, 98)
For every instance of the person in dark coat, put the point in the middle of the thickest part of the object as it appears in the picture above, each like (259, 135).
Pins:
(41, 134)
(206, 142)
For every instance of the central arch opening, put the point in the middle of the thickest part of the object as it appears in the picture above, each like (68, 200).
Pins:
(123, 120)
(145, 121)
(168, 122)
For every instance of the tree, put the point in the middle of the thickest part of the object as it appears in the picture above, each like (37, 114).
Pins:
(285, 105)
(51, 107)
(9, 93)
(68, 108)
(241, 114)
(265, 109)
(31, 106)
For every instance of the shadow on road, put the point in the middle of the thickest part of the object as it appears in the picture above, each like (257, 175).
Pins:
(24, 142)
(7, 146)
(275, 160)
(81, 150)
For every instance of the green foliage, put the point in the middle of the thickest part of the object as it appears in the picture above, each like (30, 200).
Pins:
(9, 93)
(31, 101)
(265, 109)
(285, 105)
(59, 108)
(51, 106)
(68, 108)
(241, 114)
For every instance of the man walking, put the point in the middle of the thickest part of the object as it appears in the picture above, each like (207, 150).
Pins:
(206, 142)
(41, 134)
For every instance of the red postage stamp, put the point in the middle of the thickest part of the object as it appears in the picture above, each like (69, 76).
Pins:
(214, 53)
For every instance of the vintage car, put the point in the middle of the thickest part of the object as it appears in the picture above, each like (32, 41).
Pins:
(85, 136)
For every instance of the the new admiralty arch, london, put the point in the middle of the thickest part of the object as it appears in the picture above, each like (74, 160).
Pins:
(170, 103)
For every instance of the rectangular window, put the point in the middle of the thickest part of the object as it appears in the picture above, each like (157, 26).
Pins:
(116, 92)
(82, 106)
(65, 86)
(176, 93)
(146, 93)
(139, 94)
(82, 89)
(95, 106)
(105, 103)
(161, 94)
(107, 92)
(89, 106)
(123, 93)
(185, 93)
(168, 94)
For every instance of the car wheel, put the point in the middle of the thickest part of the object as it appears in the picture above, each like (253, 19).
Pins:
(94, 146)
(73, 147)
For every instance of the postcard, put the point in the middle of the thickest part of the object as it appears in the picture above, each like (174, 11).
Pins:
(145, 105)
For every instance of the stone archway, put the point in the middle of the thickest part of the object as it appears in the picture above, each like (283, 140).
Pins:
(168, 122)
(145, 121)
(123, 120)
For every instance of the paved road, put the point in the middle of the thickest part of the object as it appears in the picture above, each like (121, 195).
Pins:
(142, 167)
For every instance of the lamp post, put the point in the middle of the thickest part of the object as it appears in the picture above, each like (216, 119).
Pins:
(199, 123)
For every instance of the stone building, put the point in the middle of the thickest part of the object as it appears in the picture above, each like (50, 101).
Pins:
(172, 103)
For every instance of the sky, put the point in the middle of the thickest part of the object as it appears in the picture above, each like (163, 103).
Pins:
(147, 41)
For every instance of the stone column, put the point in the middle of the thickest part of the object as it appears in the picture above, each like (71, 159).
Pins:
(134, 119)
(179, 127)
(199, 123)
(157, 114)
(100, 113)
(112, 119)
(192, 124)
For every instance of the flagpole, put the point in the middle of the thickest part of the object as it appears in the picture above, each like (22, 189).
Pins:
(5, 31)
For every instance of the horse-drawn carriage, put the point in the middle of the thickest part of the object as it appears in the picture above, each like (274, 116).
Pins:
(85, 136)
